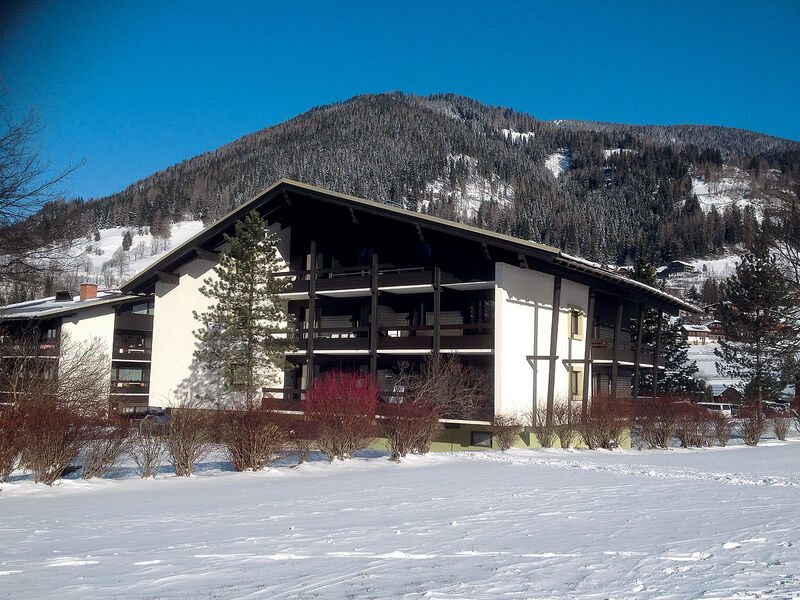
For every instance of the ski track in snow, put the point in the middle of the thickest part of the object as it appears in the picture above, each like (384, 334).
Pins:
(674, 524)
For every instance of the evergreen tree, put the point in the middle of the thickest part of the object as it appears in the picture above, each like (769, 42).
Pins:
(246, 331)
(127, 241)
(760, 343)
(679, 371)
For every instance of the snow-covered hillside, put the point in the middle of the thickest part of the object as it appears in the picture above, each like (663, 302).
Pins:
(469, 197)
(667, 524)
(95, 261)
(558, 162)
(731, 189)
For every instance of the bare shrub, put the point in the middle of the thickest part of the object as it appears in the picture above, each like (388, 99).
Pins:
(54, 436)
(505, 428)
(253, 437)
(781, 421)
(722, 428)
(658, 419)
(455, 389)
(565, 422)
(12, 440)
(108, 444)
(188, 438)
(340, 407)
(59, 401)
(544, 432)
(694, 426)
(605, 422)
(752, 425)
(300, 439)
(148, 447)
(409, 427)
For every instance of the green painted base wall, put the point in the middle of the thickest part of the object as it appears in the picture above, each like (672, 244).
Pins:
(459, 438)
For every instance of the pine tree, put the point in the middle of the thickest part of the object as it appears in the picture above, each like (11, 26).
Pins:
(760, 341)
(127, 241)
(679, 371)
(245, 333)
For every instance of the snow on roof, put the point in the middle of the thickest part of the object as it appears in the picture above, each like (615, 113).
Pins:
(697, 328)
(48, 306)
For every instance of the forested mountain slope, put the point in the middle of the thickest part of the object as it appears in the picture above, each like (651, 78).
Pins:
(603, 191)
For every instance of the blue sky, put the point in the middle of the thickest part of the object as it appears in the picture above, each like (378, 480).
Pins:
(134, 87)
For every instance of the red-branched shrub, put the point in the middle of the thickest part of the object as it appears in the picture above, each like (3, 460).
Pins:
(12, 440)
(694, 425)
(605, 422)
(188, 439)
(54, 436)
(409, 427)
(658, 419)
(253, 437)
(781, 421)
(109, 442)
(340, 407)
(722, 427)
(565, 422)
(505, 429)
(752, 425)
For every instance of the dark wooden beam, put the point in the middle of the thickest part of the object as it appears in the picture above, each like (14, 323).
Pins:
(658, 352)
(637, 357)
(420, 235)
(373, 317)
(587, 354)
(437, 308)
(168, 278)
(523, 262)
(353, 216)
(551, 378)
(312, 311)
(615, 358)
(486, 253)
(204, 254)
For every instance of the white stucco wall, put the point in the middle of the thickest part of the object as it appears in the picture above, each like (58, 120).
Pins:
(523, 321)
(90, 326)
(175, 376)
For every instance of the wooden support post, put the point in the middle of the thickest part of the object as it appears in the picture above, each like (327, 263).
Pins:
(437, 309)
(658, 352)
(637, 357)
(311, 317)
(617, 336)
(551, 378)
(373, 317)
(587, 356)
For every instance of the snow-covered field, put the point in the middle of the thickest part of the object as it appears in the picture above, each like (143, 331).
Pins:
(712, 523)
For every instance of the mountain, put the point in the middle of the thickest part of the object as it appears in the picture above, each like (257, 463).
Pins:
(603, 191)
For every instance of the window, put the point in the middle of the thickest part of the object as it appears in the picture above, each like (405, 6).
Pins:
(482, 439)
(576, 320)
(576, 383)
(143, 308)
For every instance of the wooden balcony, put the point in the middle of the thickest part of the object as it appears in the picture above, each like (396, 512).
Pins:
(129, 387)
(603, 350)
(131, 353)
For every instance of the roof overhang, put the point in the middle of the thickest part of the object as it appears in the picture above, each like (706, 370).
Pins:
(205, 244)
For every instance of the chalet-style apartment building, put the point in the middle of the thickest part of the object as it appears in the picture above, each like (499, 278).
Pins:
(372, 285)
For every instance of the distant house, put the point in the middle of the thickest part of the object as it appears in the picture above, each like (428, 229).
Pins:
(677, 268)
(704, 333)
(729, 395)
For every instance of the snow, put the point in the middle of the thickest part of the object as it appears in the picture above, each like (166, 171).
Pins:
(614, 151)
(89, 264)
(476, 191)
(558, 162)
(711, 523)
(517, 136)
(733, 188)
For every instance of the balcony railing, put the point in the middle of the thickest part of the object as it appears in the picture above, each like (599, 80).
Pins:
(603, 349)
(130, 387)
(131, 353)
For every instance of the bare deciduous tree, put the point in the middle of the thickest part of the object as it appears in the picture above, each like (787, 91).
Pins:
(455, 389)
(28, 248)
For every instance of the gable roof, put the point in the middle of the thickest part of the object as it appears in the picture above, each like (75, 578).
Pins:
(212, 236)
